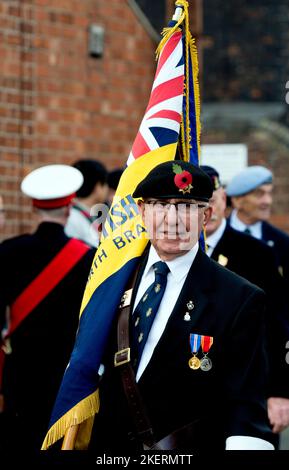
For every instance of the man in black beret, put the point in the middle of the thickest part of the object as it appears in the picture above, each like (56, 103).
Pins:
(187, 371)
(255, 261)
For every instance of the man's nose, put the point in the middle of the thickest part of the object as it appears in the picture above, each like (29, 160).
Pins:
(267, 199)
(172, 214)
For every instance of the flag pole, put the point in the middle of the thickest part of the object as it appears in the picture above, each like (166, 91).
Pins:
(71, 433)
(70, 437)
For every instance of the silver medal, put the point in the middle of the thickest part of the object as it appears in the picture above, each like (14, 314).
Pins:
(206, 364)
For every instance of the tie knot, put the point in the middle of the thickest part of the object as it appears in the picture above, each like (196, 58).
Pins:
(247, 231)
(161, 268)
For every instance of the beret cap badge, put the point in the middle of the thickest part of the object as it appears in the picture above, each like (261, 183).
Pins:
(183, 179)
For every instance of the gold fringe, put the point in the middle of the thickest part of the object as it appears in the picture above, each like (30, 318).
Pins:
(187, 38)
(83, 411)
(195, 66)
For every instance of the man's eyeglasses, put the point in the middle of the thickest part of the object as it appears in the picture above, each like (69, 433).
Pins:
(181, 206)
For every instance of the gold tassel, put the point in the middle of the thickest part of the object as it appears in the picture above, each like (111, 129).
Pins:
(81, 412)
(168, 32)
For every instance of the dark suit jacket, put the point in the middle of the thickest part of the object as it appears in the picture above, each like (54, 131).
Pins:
(279, 241)
(228, 399)
(255, 261)
(42, 344)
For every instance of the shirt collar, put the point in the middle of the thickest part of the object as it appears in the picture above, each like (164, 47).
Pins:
(179, 267)
(212, 240)
(237, 224)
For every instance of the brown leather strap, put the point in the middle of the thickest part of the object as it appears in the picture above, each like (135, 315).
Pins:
(122, 360)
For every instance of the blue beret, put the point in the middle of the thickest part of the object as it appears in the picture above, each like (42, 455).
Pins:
(248, 180)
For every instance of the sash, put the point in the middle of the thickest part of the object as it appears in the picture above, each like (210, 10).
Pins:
(45, 282)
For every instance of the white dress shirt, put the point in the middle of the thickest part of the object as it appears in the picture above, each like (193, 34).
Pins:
(79, 226)
(179, 269)
(237, 224)
(213, 240)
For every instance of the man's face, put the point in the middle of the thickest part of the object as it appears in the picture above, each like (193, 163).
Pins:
(174, 225)
(101, 192)
(218, 205)
(256, 205)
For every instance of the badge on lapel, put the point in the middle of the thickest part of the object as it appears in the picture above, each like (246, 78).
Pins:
(205, 343)
(190, 306)
(223, 260)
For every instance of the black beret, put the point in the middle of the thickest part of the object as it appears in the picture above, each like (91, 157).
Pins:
(114, 177)
(93, 172)
(175, 179)
(213, 174)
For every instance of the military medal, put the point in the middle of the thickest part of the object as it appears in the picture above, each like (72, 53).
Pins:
(195, 342)
(194, 363)
(205, 362)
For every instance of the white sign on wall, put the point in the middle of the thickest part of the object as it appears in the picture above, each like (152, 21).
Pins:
(227, 159)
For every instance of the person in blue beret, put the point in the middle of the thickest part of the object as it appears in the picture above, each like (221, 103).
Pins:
(251, 193)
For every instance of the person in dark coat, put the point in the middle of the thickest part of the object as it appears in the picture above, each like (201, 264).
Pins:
(251, 196)
(42, 277)
(197, 352)
(255, 260)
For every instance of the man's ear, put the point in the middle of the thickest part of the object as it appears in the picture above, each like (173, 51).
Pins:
(67, 210)
(207, 215)
(236, 202)
(141, 208)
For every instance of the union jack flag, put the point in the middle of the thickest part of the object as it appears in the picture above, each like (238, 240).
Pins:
(161, 123)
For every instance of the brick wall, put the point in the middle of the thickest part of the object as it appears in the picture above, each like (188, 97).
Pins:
(57, 104)
(246, 54)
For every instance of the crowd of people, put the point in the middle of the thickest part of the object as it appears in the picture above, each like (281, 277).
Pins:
(207, 328)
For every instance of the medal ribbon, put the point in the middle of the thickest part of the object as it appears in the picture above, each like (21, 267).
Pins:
(207, 342)
(195, 342)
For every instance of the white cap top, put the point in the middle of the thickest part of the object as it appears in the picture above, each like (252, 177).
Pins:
(52, 182)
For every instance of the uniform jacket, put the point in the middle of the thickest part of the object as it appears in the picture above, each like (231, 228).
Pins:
(228, 399)
(279, 241)
(255, 261)
(42, 344)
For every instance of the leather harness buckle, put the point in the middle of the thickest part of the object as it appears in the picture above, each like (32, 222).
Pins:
(122, 357)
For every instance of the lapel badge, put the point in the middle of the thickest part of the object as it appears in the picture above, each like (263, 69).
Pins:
(190, 306)
(270, 243)
(223, 260)
(126, 298)
(280, 269)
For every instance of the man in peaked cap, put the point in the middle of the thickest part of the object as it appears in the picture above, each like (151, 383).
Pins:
(42, 278)
(190, 348)
(255, 261)
(251, 195)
